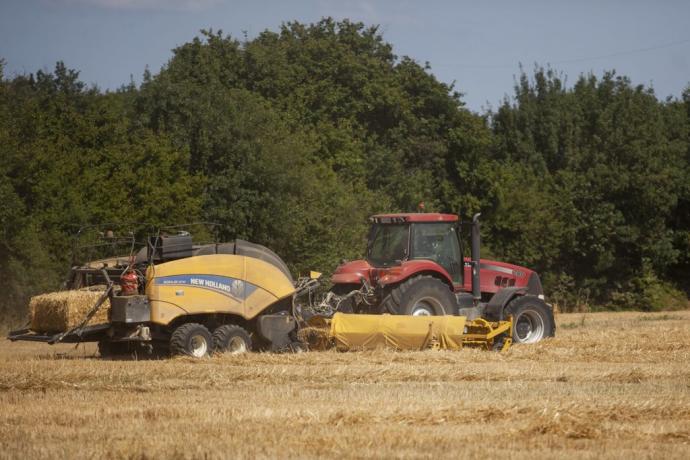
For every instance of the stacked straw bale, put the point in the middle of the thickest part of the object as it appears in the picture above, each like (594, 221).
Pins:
(61, 311)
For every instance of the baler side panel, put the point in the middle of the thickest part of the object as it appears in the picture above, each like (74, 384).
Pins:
(220, 283)
(268, 277)
(163, 312)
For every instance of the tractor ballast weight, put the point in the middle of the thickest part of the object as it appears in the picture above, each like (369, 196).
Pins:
(415, 266)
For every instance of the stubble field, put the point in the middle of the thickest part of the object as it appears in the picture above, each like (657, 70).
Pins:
(610, 385)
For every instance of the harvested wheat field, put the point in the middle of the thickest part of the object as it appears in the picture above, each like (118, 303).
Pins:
(611, 385)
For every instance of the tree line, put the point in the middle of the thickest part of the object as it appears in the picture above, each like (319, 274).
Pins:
(293, 138)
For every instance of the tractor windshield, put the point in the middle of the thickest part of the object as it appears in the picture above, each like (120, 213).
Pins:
(388, 244)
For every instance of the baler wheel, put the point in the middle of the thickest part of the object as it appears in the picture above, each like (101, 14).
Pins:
(231, 339)
(191, 339)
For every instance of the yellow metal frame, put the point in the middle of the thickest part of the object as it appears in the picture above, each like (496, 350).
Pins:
(483, 334)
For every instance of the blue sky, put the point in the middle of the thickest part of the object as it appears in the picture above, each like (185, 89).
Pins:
(479, 44)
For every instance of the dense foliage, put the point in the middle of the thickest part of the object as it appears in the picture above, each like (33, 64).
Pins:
(293, 138)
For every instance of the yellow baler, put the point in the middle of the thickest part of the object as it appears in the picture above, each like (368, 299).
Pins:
(230, 297)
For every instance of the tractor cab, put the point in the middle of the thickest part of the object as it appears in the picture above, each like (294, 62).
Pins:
(398, 238)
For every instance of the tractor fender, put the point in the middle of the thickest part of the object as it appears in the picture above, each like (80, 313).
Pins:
(353, 272)
(496, 306)
(410, 268)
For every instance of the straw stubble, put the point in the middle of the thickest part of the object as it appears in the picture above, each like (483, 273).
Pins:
(610, 385)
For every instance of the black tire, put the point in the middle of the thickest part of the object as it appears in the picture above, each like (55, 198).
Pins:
(108, 349)
(532, 319)
(231, 339)
(191, 339)
(420, 296)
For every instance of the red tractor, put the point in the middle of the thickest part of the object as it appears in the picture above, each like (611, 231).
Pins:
(415, 266)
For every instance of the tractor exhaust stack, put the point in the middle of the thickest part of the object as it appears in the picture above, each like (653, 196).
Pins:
(476, 240)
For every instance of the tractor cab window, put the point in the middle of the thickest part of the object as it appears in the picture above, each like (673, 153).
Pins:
(388, 244)
(438, 242)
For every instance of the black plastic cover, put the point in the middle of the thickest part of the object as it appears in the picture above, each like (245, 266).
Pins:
(170, 247)
(534, 285)
(495, 307)
(245, 248)
(276, 329)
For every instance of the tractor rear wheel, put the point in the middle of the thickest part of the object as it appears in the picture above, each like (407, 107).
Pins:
(421, 296)
(191, 339)
(532, 319)
(231, 339)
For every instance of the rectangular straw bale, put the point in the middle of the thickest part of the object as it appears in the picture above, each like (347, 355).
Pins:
(61, 311)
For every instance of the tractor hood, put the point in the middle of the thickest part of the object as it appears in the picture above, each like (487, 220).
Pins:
(353, 272)
(494, 274)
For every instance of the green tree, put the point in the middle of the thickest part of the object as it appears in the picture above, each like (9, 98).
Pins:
(614, 156)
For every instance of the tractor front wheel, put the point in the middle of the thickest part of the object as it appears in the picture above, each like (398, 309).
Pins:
(421, 296)
(532, 319)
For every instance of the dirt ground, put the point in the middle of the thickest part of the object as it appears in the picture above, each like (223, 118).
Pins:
(610, 385)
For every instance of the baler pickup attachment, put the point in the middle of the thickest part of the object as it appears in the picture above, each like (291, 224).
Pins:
(401, 332)
(83, 334)
(487, 334)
